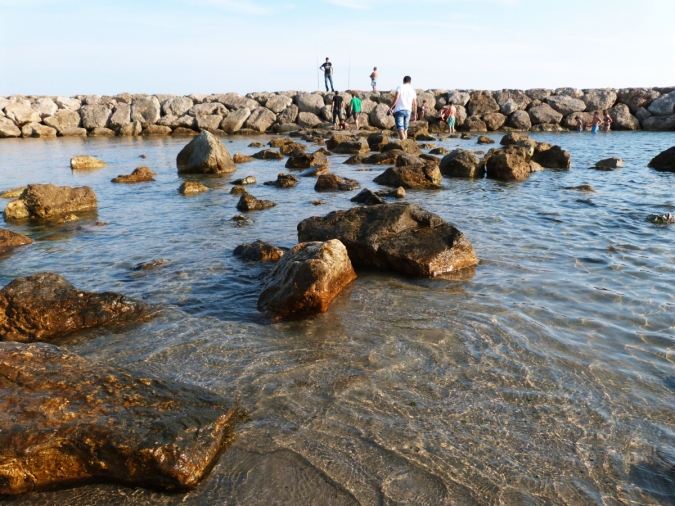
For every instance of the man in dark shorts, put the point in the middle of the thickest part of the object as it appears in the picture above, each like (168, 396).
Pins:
(338, 104)
(328, 74)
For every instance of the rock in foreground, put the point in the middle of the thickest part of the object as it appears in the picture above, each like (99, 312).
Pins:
(248, 202)
(411, 172)
(664, 161)
(10, 240)
(399, 236)
(46, 306)
(205, 154)
(44, 201)
(192, 188)
(307, 279)
(66, 421)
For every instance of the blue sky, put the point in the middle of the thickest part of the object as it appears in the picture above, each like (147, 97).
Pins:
(67, 47)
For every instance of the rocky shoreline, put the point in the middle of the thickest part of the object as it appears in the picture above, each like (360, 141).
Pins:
(651, 109)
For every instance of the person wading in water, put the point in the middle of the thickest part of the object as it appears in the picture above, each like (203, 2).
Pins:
(404, 105)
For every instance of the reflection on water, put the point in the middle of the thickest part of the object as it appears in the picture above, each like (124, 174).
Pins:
(543, 376)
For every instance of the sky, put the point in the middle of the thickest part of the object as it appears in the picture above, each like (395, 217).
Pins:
(69, 47)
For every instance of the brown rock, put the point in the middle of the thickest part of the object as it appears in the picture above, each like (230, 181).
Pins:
(205, 154)
(333, 182)
(148, 266)
(397, 236)
(462, 163)
(283, 181)
(238, 190)
(377, 140)
(67, 421)
(407, 146)
(353, 147)
(410, 174)
(239, 158)
(483, 139)
(508, 164)
(268, 154)
(439, 151)
(46, 201)
(245, 181)
(306, 160)
(368, 198)
(248, 202)
(385, 158)
(315, 171)
(83, 162)
(664, 161)
(139, 175)
(494, 121)
(292, 147)
(13, 193)
(260, 251)
(101, 132)
(553, 158)
(10, 240)
(481, 104)
(45, 306)
(192, 188)
(274, 143)
(182, 131)
(307, 279)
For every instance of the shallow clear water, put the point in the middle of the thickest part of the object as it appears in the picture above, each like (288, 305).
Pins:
(544, 376)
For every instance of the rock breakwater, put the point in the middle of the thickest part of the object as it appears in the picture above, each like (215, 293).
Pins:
(288, 111)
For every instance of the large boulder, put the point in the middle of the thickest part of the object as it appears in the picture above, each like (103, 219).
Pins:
(268, 154)
(146, 110)
(45, 306)
(309, 102)
(508, 164)
(662, 106)
(67, 103)
(21, 114)
(236, 101)
(177, 106)
(260, 120)
(308, 120)
(334, 183)
(45, 201)
(45, 107)
(377, 140)
(462, 163)
(10, 240)
(399, 236)
(409, 146)
(411, 172)
(570, 121)
(67, 421)
(205, 154)
(95, 116)
(8, 128)
(121, 116)
(664, 161)
(553, 158)
(234, 121)
(378, 118)
(356, 146)
(292, 147)
(519, 120)
(507, 99)
(289, 115)
(368, 198)
(208, 109)
(63, 119)
(569, 92)
(637, 98)
(307, 279)
(481, 104)
(209, 122)
(278, 103)
(599, 100)
(565, 104)
(385, 158)
(544, 113)
(659, 123)
(623, 119)
(494, 121)
(474, 124)
(37, 130)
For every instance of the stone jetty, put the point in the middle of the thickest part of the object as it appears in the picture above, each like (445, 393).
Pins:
(288, 111)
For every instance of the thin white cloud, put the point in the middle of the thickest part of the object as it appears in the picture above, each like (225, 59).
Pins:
(239, 6)
(351, 4)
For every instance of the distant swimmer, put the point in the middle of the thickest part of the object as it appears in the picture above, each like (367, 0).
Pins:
(595, 123)
(328, 74)
(373, 79)
(580, 124)
(607, 122)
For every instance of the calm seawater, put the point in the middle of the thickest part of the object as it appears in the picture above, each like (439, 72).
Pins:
(543, 376)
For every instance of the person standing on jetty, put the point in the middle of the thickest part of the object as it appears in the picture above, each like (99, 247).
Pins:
(327, 68)
(355, 108)
(373, 79)
(607, 122)
(403, 106)
(338, 104)
(595, 124)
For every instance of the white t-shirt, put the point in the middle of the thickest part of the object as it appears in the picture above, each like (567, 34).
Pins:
(405, 101)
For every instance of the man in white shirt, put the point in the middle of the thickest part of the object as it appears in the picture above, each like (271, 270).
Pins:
(404, 106)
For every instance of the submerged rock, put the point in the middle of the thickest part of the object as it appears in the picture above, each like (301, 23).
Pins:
(483, 139)
(139, 175)
(13, 193)
(306, 160)
(398, 236)
(248, 202)
(205, 154)
(146, 266)
(307, 279)
(245, 181)
(10, 240)
(45, 201)
(315, 171)
(259, 251)
(192, 188)
(664, 161)
(553, 158)
(661, 219)
(333, 182)
(292, 147)
(238, 190)
(582, 188)
(283, 181)
(67, 421)
(398, 193)
(268, 154)
(609, 164)
(46, 306)
(83, 162)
